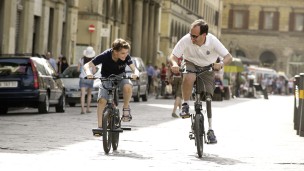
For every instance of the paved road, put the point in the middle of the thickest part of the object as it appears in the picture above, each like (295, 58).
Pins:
(253, 134)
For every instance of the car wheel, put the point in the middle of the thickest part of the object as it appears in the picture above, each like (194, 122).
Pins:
(3, 110)
(145, 96)
(44, 106)
(72, 104)
(137, 96)
(60, 107)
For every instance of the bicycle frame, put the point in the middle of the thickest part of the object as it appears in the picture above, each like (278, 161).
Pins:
(111, 122)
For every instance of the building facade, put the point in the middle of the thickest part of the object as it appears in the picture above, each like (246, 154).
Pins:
(38, 26)
(177, 16)
(137, 21)
(270, 32)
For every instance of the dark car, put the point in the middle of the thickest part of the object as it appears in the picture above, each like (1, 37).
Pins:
(28, 81)
(140, 86)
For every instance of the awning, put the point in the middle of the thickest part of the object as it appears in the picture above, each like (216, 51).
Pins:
(235, 66)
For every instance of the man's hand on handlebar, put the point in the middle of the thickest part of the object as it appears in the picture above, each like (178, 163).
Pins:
(218, 66)
(175, 69)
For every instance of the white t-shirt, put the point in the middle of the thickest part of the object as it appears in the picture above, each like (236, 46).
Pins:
(200, 55)
(82, 73)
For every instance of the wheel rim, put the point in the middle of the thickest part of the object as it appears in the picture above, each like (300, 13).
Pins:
(107, 135)
(199, 137)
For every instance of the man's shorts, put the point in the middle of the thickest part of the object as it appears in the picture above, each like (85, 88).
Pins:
(206, 79)
(103, 93)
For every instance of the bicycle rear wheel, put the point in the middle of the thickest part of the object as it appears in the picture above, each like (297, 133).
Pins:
(107, 134)
(199, 133)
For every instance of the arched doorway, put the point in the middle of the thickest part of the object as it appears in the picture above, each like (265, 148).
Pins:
(268, 59)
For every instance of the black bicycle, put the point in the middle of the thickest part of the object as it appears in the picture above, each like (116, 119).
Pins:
(197, 119)
(111, 122)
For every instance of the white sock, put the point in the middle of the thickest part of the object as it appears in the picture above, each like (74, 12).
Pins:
(210, 123)
(188, 102)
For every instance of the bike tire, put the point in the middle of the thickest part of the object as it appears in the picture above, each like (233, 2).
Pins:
(115, 135)
(199, 134)
(107, 134)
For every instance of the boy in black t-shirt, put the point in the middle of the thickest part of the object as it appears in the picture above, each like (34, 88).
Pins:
(114, 61)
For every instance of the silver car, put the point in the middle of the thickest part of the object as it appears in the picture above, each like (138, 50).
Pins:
(140, 86)
(70, 78)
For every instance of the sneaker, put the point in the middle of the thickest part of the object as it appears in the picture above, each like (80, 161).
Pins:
(174, 115)
(211, 137)
(126, 116)
(185, 111)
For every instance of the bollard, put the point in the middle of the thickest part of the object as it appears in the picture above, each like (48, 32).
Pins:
(301, 105)
(296, 119)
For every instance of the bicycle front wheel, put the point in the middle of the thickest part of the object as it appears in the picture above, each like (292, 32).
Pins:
(107, 134)
(199, 133)
(115, 135)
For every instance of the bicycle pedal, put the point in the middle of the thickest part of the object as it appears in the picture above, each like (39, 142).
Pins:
(126, 129)
(185, 117)
(97, 135)
(117, 130)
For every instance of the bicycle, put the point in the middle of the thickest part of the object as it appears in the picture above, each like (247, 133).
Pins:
(197, 119)
(111, 122)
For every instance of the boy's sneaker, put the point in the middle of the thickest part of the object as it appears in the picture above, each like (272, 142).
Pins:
(185, 111)
(211, 137)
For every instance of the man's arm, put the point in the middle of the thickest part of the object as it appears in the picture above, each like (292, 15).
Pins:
(174, 62)
(227, 59)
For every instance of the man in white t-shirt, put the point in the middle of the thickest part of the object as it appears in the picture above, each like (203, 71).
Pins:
(199, 49)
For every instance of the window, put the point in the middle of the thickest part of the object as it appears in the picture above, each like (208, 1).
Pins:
(269, 20)
(238, 19)
(299, 22)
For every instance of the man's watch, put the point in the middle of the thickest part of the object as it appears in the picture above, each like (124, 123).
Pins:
(222, 63)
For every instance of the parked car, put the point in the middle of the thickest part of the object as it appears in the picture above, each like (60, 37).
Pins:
(140, 86)
(70, 78)
(29, 81)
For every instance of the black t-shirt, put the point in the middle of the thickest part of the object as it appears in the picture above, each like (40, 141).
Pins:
(108, 65)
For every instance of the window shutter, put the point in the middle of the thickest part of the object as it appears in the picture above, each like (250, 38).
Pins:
(230, 22)
(276, 21)
(246, 20)
(261, 20)
(291, 21)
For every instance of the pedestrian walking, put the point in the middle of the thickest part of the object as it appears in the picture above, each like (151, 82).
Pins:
(86, 85)
(52, 61)
(177, 91)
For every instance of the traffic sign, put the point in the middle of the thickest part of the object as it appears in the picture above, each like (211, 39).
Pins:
(91, 28)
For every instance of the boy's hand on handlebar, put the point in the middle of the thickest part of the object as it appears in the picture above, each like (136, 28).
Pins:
(89, 76)
(134, 76)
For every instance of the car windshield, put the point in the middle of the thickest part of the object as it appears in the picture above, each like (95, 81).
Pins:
(71, 72)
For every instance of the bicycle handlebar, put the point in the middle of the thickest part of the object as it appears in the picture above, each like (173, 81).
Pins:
(198, 71)
(112, 77)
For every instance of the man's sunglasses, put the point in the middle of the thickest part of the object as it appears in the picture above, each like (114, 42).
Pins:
(193, 36)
